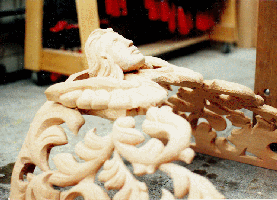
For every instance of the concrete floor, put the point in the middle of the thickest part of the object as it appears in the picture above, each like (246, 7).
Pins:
(20, 100)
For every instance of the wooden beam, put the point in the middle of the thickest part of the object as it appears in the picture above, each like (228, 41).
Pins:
(88, 20)
(64, 62)
(33, 34)
(166, 46)
(266, 68)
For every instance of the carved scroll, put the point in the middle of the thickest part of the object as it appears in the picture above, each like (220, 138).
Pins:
(218, 100)
(119, 84)
(168, 143)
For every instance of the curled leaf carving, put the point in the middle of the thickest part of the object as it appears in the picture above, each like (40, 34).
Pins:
(44, 132)
(185, 182)
(39, 188)
(118, 89)
(217, 101)
(95, 150)
(168, 142)
(116, 176)
(86, 189)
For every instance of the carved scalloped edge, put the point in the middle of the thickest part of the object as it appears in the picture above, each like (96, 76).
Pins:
(102, 93)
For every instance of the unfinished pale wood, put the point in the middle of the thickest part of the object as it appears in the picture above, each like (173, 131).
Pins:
(160, 124)
(221, 98)
(88, 20)
(33, 35)
(165, 46)
(104, 92)
(247, 23)
(64, 62)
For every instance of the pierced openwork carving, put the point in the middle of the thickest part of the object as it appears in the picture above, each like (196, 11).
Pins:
(218, 100)
(120, 84)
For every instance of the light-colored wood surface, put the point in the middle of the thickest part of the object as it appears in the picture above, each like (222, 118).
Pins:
(64, 62)
(165, 46)
(88, 21)
(247, 23)
(88, 18)
(218, 101)
(266, 68)
(226, 30)
(33, 34)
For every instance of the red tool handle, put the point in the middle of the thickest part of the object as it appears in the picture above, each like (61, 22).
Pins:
(164, 10)
(204, 21)
(154, 10)
(123, 7)
(183, 27)
(172, 19)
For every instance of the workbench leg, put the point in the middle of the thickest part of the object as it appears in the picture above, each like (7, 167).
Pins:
(33, 34)
(266, 67)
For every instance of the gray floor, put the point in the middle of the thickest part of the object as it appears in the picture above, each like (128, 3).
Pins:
(19, 101)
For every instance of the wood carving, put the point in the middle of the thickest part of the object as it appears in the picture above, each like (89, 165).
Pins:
(119, 84)
(218, 100)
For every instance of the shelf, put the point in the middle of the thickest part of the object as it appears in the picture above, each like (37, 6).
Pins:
(166, 46)
(67, 62)
(61, 61)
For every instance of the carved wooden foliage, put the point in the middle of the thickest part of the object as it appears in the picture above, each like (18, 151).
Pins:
(170, 140)
(218, 100)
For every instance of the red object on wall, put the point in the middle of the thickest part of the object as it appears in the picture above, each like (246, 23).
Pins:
(172, 19)
(148, 3)
(71, 26)
(189, 20)
(109, 6)
(116, 9)
(154, 10)
(112, 8)
(59, 26)
(54, 77)
(164, 10)
(123, 7)
(183, 26)
(204, 21)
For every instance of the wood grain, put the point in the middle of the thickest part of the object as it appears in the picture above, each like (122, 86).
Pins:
(266, 69)
(33, 34)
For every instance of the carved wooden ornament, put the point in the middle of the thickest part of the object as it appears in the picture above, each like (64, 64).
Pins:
(119, 84)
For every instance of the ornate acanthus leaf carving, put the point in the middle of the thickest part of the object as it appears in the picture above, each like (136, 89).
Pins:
(117, 176)
(171, 144)
(256, 140)
(86, 189)
(95, 150)
(44, 132)
(185, 182)
(220, 98)
(39, 188)
(121, 82)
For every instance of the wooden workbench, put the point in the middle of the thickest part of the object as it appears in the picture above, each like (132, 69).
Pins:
(38, 58)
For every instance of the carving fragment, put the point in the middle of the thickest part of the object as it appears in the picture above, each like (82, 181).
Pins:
(217, 101)
(120, 84)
